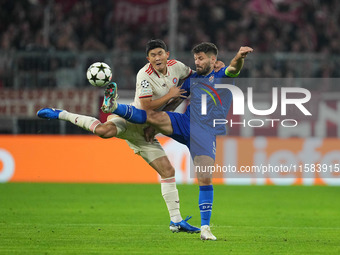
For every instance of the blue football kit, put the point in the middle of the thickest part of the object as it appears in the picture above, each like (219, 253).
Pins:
(194, 129)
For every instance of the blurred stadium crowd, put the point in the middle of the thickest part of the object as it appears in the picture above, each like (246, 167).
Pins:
(286, 26)
(291, 38)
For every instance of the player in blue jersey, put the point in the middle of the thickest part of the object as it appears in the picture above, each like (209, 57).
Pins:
(197, 135)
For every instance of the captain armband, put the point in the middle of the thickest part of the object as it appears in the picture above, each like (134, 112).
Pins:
(233, 75)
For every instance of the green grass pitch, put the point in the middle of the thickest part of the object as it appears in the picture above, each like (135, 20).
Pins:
(132, 219)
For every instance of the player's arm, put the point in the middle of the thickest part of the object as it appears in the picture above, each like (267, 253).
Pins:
(173, 104)
(148, 104)
(237, 62)
(174, 93)
(145, 91)
(150, 132)
(184, 72)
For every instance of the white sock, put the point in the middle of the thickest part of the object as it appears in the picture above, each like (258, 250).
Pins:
(85, 122)
(171, 198)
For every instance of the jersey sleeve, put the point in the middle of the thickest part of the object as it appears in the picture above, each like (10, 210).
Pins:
(186, 86)
(183, 70)
(143, 86)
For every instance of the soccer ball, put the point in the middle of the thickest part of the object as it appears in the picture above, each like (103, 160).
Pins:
(99, 74)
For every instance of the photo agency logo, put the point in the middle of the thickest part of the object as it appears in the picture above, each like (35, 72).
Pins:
(204, 97)
(227, 94)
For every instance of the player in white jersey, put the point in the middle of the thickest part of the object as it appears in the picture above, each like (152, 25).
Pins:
(156, 85)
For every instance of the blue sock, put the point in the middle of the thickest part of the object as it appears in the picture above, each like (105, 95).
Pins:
(131, 113)
(205, 202)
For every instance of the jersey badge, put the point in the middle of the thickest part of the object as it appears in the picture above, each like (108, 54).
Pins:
(211, 79)
(174, 80)
(144, 84)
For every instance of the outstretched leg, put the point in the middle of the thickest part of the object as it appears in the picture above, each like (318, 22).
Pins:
(104, 130)
(162, 164)
(159, 120)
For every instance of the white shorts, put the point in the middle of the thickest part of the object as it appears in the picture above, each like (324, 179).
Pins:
(134, 136)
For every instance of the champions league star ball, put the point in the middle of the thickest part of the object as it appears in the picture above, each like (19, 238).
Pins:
(99, 74)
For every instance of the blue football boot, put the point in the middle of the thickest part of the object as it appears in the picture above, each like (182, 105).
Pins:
(49, 113)
(183, 226)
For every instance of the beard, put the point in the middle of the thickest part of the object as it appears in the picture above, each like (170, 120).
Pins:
(204, 70)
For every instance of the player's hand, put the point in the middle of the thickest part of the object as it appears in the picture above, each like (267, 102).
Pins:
(149, 134)
(218, 65)
(175, 92)
(243, 51)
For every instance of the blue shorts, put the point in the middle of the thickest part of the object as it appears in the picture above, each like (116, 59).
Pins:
(198, 141)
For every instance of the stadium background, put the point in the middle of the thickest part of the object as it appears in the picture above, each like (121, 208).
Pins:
(46, 47)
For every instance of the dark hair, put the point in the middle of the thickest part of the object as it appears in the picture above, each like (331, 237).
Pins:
(205, 47)
(155, 43)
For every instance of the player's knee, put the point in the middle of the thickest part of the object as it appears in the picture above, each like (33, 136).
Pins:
(151, 116)
(169, 171)
(154, 118)
(163, 166)
(106, 131)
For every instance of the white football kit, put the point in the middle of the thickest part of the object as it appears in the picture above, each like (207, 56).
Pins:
(149, 83)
